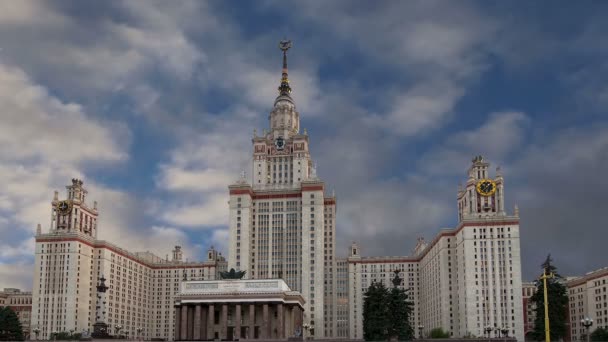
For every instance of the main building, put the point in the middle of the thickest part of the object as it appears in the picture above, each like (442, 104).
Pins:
(282, 225)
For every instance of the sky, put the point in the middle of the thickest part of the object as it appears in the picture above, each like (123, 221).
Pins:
(153, 104)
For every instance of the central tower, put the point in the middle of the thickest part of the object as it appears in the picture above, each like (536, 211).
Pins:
(282, 225)
(280, 156)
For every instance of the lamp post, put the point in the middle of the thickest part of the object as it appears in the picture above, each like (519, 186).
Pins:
(306, 326)
(544, 278)
(54, 334)
(420, 328)
(139, 330)
(505, 332)
(587, 323)
(117, 328)
(36, 332)
(488, 331)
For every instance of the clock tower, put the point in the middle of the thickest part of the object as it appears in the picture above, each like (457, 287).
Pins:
(482, 196)
(282, 225)
(73, 214)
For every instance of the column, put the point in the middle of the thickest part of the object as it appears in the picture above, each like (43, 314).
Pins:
(280, 322)
(197, 322)
(210, 322)
(184, 326)
(299, 319)
(178, 322)
(265, 325)
(251, 332)
(203, 323)
(237, 322)
(190, 321)
(224, 322)
(292, 320)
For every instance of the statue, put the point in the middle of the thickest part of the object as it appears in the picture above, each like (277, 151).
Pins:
(232, 274)
(285, 45)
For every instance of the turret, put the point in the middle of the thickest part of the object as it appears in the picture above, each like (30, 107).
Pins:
(482, 195)
(177, 254)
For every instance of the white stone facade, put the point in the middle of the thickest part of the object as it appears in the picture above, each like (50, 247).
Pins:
(588, 297)
(142, 286)
(466, 279)
(283, 224)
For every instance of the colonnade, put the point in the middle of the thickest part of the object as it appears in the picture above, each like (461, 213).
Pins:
(237, 321)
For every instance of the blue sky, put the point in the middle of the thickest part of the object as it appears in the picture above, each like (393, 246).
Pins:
(153, 104)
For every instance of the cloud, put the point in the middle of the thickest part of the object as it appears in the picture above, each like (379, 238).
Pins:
(24, 249)
(424, 107)
(17, 275)
(557, 184)
(37, 125)
(43, 143)
(498, 138)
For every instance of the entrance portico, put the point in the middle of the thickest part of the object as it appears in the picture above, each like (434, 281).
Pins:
(238, 310)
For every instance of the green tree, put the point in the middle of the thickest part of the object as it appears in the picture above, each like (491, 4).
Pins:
(399, 311)
(558, 305)
(439, 333)
(386, 313)
(375, 318)
(10, 327)
(599, 334)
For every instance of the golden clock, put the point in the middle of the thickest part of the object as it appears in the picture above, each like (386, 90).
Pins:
(486, 187)
(64, 207)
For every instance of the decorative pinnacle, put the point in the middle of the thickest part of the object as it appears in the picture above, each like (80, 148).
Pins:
(284, 88)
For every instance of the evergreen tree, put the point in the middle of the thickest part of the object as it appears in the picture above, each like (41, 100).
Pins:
(599, 334)
(375, 318)
(386, 313)
(399, 311)
(558, 305)
(10, 327)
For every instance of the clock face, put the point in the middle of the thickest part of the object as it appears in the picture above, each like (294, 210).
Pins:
(64, 207)
(280, 143)
(486, 187)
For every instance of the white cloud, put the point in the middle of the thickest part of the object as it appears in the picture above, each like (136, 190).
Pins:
(37, 125)
(43, 143)
(24, 249)
(501, 135)
(199, 170)
(420, 109)
(17, 275)
(25, 13)
(178, 179)
(211, 211)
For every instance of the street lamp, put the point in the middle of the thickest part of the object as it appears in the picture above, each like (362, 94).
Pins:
(117, 328)
(544, 278)
(505, 331)
(306, 326)
(139, 330)
(54, 334)
(587, 323)
(420, 328)
(36, 332)
(488, 331)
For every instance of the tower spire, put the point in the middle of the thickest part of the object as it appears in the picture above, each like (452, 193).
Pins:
(284, 88)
